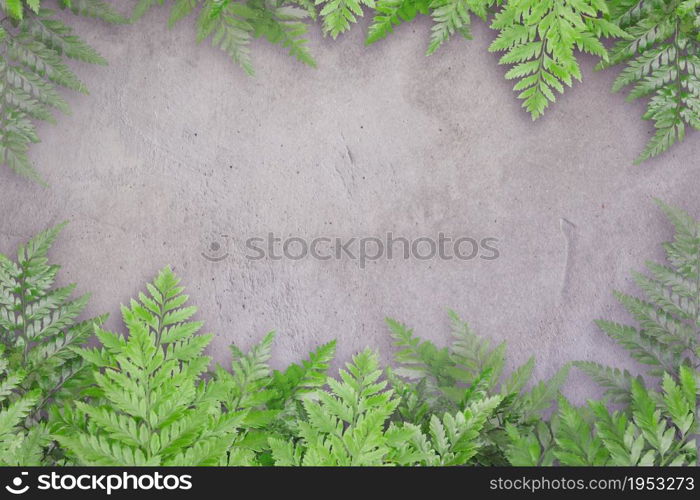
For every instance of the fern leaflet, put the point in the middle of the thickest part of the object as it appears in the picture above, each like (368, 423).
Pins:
(231, 25)
(662, 61)
(540, 38)
(33, 49)
(148, 405)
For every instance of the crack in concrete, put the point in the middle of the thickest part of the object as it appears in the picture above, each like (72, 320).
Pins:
(347, 174)
(348, 152)
(568, 229)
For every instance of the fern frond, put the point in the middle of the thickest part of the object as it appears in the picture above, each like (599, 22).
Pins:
(667, 336)
(474, 355)
(616, 382)
(180, 10)
(33, 50)
(283, 26)
(149, 405)
(543, 395)
(250, 373)
(15, 9)
(533, 447)
(338, 15)
(540, 39)
(300, 380)
(450, 379)
(391, 13)
(450, 17)
(142, 7)
(229, 32)
(38, 323)
(231, 25)
(345, 426)
(576, 445)
(38, 334)
(97, 9)
(662, 61)
(659, 430)
(456, 439)
(18, 445)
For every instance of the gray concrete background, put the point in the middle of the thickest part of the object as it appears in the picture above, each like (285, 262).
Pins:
(176, 148)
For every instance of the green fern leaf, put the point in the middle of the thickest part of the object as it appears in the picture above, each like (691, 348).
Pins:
(540, 39)
(575, 443)
(345, 426)
(32, 67)
(391, 13)
(533, 447)
(180, 10)
(39, 332)
(659, 430)
(337, 15)
(667, 337)
(661, 59)
(450, 17)
(14, 8)
(231, 25)
(149, 405)
(617, 383)
(283, 26)
(97, 9)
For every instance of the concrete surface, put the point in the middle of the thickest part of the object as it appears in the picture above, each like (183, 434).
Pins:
(176, 149)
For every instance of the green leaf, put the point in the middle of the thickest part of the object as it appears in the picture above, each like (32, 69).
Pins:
(661, 60)
(540, 39)
(576, 445)
(337, 15)
(154, 408)
(391, 13)
(33, 51)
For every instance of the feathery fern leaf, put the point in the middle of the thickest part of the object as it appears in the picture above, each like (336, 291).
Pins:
(38, 323)
(661, 428)
(33, 49)
(283, 25)
(454, 16)
(345, 426)
(337, 15)
(575, 444)
(19, 445)
(299, 381)
(668, 334)
(449, 17)
(529, 447)
(15, 9)
(449, 379)
(451, 440)
(38, 332)
(270, 399)
(97, 9)
(231, 25)
(616, 382)
(540, 38)
(662, 61)
(148, 405)
(391, 13)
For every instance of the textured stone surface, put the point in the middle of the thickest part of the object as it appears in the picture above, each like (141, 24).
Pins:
(176, 148)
